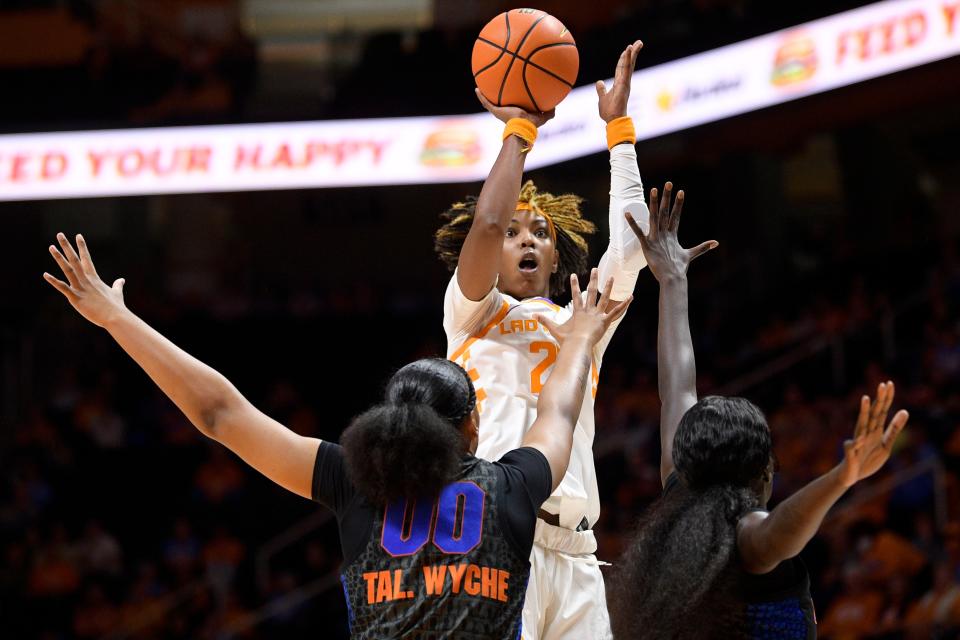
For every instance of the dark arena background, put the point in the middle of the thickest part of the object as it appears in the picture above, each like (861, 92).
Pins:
(837, 213)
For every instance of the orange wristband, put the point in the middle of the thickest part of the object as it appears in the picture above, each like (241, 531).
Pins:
(522, 128)
(620, 130)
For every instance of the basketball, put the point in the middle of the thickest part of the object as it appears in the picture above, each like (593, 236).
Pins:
(525, 58)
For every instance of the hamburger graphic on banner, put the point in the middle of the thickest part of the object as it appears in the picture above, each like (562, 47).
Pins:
(795, 61)
(454, 145)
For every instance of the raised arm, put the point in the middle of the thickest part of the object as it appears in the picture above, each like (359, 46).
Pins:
(623, 260)
(209, 400)
(676, 366)
(766, 539)
(558, 406)
(479, 261)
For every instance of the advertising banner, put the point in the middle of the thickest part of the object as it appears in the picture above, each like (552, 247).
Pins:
(811, 58)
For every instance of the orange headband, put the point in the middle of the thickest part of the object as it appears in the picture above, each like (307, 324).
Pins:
(526, 206)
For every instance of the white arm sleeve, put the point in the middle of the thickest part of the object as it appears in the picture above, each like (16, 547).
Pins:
(623, 259)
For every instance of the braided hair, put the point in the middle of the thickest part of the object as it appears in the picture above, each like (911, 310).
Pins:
(564, 213)
(677, 578)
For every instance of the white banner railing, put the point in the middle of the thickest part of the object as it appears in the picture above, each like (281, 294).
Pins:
(843, 49)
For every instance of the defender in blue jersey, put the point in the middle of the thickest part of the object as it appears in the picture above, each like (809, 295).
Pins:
(709, 560)
(436, 541)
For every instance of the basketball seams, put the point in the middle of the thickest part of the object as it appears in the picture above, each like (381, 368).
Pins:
(503, 80)
(506, 19)
(529, 60)
(523, 76)
(495, 61)
(546, 81)
(502, 48)
(538, 67)
(506, 75)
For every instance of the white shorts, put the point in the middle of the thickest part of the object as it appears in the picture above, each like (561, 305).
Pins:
(565, 595)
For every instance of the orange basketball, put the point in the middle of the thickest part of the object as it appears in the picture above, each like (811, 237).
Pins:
(525, 58)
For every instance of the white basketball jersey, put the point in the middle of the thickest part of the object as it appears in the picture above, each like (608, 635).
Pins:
(509, 357)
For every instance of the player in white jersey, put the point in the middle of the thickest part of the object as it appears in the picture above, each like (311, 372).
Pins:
(512, 249)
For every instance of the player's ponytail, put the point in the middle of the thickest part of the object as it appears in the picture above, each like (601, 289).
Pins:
(673, 576)
(411, 445)
(676, 578)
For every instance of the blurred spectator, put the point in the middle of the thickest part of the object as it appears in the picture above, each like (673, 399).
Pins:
(894, 609)
(856, 612)
(96, 417)
(939, 608)
(181, 552)
(95, 615)
(54, 571)
(99, 552)
(222, 555)
(886, 555)
(220, 478)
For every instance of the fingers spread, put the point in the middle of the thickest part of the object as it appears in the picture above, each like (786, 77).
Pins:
(897, 424)
(592, 288)
(605, 294)
(68, 251)
(654, 209)
(86, 262)
(676, 210)
(601, 88)
(636, 228)
(551, 326)
(664, 209)
(891, 392)
(60, 286)
(863, 418)
(617, 311)
(576, 296)
(702, 248)
(877, 413)
(65, 266)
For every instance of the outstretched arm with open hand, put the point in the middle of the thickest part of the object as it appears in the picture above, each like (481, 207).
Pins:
(623, 259)
(612, 103)
(676, 365)
(209, 400)
(766, 539)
